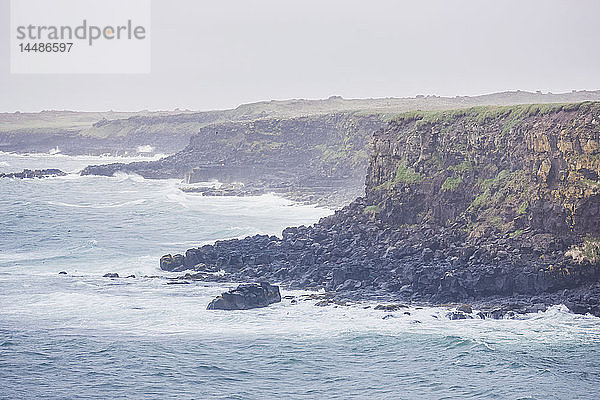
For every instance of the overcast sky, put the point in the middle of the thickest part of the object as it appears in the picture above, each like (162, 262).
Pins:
(221, 53)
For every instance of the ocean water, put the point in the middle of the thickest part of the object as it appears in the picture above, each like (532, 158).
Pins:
(82, 336)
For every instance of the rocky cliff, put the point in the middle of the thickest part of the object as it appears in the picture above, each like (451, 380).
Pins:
(310, 150)
(491, 169)
(307, 158)
(82, 133)
(492, 205)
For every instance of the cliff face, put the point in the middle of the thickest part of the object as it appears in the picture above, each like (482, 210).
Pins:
(300, 148)
(491, 170)
(330, 147)
(323, 156)
(496, 205)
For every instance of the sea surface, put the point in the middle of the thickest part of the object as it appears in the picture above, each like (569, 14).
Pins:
(82, 336)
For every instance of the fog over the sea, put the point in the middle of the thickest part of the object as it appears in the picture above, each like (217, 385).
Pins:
(220, 53)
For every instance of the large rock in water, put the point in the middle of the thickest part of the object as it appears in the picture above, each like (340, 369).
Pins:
(247, 296)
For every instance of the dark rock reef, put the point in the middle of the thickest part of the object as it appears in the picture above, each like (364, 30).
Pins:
(247, 296)
(492, 206)
(30, 174)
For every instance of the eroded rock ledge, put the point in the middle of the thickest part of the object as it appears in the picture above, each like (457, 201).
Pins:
(31, 174)
(489, 204)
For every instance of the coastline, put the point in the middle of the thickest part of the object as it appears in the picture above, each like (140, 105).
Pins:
(509, 220)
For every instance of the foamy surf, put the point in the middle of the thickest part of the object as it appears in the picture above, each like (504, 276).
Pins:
(11, 162)
(98, 205)
(106, 332)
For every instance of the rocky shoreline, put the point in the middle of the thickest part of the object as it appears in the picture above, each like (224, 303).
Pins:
(359, 259)
(507, 223)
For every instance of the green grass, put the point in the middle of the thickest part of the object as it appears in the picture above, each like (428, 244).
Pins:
(496, 222)
(511, 115)
(479, 200)
(463, 167)
(502, 175)
(516, 233)
(434, 163)
(451, 184)
(372, 210)
(494, 189)
(523, 207)
(406, 174)
(591, 249)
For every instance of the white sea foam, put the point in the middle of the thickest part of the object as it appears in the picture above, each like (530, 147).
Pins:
(145, 149)
(98, 205)
(182, 309)
(65, 157)
(155, 218)
(123, 176)
(69, 164)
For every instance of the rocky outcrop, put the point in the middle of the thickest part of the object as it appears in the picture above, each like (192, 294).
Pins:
(31, 174)
(320, 159)
(97, 133)
(247, 296)
(495, 205)
(491, 169)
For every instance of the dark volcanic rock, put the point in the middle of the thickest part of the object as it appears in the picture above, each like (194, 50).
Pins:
(246, 296)
(170, 263)
(465, 308)
(110, 275)
(38, 173)
(457, 315)
(511, 220)
(390, 307)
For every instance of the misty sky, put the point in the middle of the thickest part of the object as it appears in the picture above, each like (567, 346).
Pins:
(221, 53)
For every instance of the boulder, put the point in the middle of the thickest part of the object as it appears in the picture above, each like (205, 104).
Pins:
(171, 263)
(465, 308)
(247, 296)
(454, 315)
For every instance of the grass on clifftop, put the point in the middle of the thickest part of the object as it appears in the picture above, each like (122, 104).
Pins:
(481, 114)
